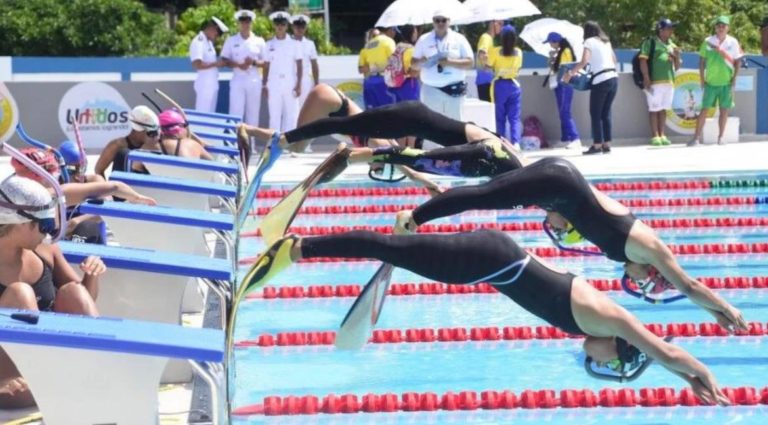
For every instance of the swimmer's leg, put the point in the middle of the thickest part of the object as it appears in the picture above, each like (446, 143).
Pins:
(387, 122)
(451, 258)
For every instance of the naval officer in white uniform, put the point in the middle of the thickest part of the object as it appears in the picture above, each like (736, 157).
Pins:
(310, 75)
(244, 53)
(202, 53)
(282, 75)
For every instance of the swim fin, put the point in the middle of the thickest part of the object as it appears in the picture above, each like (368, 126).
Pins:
(267, 159)
(358, 324)
(274, 225)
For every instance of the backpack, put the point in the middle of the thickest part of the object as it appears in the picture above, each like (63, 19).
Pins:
(637, 73)
(394, 73)
(533, 134)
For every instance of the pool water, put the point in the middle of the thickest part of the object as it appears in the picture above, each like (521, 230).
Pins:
(440, 367)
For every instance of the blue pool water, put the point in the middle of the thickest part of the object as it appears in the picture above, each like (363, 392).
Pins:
(495, 365)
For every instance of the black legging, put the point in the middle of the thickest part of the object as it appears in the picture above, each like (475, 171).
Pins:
(451, 258)
(470, 257)
(467, 160)
(402, 119)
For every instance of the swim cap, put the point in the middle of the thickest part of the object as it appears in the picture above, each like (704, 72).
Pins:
(172, 123)
(43, 158)
(142, 119)
(70, 152)
(20, 196)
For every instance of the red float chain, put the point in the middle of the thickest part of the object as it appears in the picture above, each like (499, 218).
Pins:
(521, 226)
(686, 249)
(412, 190)
(492, 400)
(435, 288)
(487, 333)
(630, 203)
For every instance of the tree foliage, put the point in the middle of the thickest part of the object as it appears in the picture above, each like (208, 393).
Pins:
(628, 22)
(82, 28)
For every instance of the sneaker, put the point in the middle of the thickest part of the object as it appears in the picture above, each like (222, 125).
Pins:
(593, 150)
(721, 142)
(665, 141)
(404, 223)
(657, 141)
(573, 144)
(694, 142)
(606, 148)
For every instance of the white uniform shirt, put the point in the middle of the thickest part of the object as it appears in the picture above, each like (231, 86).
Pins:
(309, 53)
(202, 49)
(237, 50)
(600, 58)
(282, 56)
(456, 46)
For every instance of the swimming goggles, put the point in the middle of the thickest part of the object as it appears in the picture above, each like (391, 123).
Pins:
(567, 236)
(650, 288)
(46, 226)
(630, 364)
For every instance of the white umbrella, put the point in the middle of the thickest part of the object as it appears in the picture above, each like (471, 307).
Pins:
(536, 32)
(419, 12)
(493, 10)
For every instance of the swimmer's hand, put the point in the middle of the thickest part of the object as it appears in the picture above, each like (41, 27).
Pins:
(731, 319)
(12, 386)
(93, 266)
(435, 190)
(143, 200)
(707, 390)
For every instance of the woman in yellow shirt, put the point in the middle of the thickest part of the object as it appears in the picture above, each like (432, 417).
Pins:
(507, 95)
(562, 52)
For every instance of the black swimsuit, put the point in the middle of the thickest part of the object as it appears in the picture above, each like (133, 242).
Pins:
(344, 108)
(553, 184)
(45, 290)
(120, 163)
(463, 258)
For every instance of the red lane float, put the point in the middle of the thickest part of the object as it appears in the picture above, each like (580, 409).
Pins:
(685, 249)
(630, 203)
(492, 400)
(412, 190)
(522, 226)
(487, 333)
(435, 288)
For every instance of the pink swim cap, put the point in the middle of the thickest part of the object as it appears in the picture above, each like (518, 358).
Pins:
(172, 123)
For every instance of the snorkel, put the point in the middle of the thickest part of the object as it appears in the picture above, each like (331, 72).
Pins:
(627, 367)
(40, 145)
(380, 174)
(82, 164)
(8, 122)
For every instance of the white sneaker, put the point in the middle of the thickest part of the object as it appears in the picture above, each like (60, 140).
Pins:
(574, 144)
(403, 223)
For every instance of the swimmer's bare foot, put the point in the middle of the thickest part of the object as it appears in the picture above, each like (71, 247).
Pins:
(404, 223)
(435, 190)
(12, 386)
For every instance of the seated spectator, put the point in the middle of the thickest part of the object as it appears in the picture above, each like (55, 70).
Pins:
(34, 275)
(145, 129)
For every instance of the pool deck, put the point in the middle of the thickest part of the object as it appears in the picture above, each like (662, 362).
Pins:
(622, 161)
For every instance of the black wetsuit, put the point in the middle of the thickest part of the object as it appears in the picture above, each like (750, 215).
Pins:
(553, 184)
(461, 258)
(45, 289)
(486, 158)
(403, 119)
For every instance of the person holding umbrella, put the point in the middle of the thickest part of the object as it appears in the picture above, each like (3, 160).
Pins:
(562, 52)
(444, 57)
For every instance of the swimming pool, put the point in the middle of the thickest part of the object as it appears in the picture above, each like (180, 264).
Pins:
(463, 351)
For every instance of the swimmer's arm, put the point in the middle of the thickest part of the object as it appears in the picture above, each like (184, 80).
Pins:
(664, 261)
(672, 357)
(76, 193)
(106, 158)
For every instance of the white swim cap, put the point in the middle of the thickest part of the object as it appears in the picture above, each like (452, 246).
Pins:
(142, 119)
(26, 195)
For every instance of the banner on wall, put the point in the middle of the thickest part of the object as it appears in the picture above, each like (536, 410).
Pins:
(686, 104)
(9, 114)
(100, 110)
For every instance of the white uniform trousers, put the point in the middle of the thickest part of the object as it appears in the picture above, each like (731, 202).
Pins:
(283, 105)
(245, 99)
(307, 84)
(206, 95)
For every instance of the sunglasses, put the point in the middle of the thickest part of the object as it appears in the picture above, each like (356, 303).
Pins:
(440, 20)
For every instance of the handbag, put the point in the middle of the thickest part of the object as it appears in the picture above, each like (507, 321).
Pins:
(582, 81)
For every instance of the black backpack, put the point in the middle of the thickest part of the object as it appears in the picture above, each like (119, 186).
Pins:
(637, 74)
